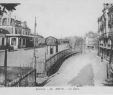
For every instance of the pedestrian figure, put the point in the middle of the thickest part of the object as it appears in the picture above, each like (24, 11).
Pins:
(101, 58)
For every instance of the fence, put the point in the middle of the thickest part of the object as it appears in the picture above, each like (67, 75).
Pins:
(16, 75)
(58, 57)
(27, 80)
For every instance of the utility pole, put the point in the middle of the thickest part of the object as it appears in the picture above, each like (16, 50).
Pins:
(5, 63)
(35, 49)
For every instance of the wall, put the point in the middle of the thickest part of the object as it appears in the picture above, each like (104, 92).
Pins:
(0, 41)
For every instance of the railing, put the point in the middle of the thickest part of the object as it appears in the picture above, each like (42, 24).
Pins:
(59, 56)
(27, 80)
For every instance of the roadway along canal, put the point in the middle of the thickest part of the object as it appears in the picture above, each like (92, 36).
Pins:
(79, 70)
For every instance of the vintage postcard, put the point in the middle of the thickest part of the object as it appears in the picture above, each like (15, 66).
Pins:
(56, 45)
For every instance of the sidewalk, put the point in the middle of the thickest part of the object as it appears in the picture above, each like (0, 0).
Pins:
(99, 68)
(16, 50)
(80, 70)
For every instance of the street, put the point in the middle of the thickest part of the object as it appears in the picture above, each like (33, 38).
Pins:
(76, 72)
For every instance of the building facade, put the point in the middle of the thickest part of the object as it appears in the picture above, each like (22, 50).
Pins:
(52, 45)
(19, 33)
(105, 42)
(91, 40)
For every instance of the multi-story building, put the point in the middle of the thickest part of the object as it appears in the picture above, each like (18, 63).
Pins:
(18, 35)
(105, 30)
(91, 40)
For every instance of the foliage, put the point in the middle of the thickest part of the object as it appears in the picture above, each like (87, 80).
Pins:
(76, 42)
(8, 7)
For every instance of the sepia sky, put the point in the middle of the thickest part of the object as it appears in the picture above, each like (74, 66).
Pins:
(61, 18)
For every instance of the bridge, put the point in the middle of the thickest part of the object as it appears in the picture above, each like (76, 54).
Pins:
(52, 65)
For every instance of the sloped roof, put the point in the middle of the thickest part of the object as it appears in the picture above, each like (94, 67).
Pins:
(51, 41)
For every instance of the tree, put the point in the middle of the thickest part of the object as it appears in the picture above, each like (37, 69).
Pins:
(7, 6)
(76, 43)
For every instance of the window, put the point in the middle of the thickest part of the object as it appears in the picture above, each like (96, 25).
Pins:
(0, 20)
(51, 50)
(13, 41)
(12, 23)
(3, 41)
(4, 22)
(16, 31)
(24, 42)
(57, 48)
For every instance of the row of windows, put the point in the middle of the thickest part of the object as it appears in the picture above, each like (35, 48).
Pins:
(12, 22)
(13, 41)
(20, 31)
(7, 21)
(105, 45)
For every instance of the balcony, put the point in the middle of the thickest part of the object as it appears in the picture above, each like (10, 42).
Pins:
(105, 46)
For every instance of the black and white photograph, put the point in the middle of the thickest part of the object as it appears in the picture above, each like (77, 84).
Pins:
(56, 43)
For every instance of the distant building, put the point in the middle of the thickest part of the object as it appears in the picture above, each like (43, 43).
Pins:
(91, 40)
(39, 41)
